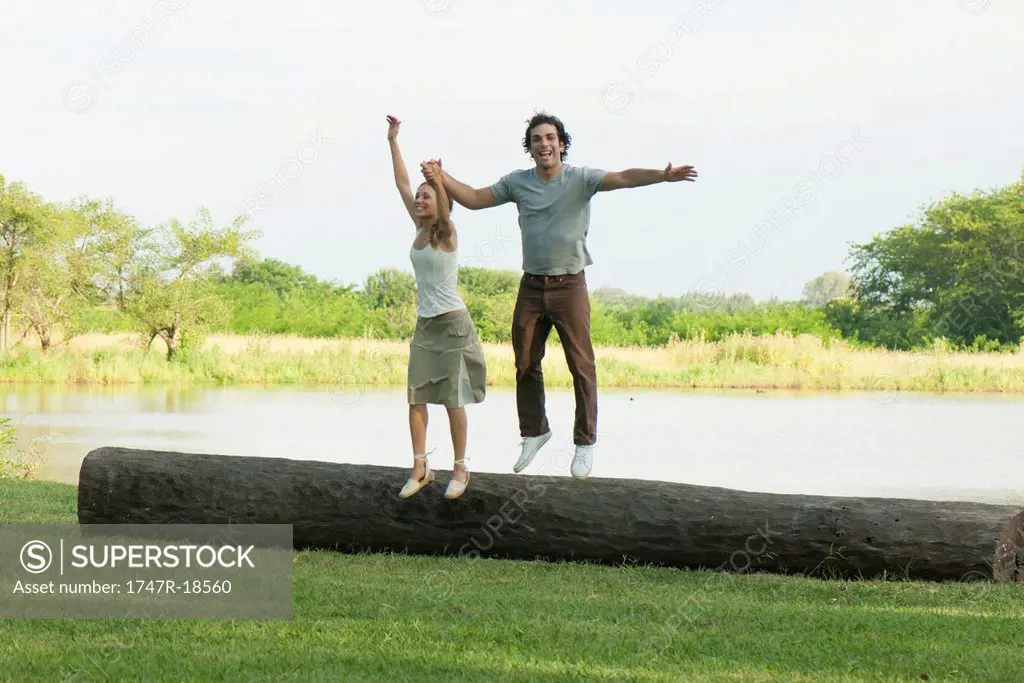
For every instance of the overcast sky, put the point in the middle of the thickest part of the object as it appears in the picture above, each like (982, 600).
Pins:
(812, 124)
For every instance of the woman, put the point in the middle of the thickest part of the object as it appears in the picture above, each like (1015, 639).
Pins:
(446, 361)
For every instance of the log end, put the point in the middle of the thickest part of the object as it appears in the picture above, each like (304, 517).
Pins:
(1009, 560)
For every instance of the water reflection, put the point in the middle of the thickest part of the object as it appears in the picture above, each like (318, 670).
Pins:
(930, 446)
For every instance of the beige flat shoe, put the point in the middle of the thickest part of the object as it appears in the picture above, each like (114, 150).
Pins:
(413, 486)
(455, 487)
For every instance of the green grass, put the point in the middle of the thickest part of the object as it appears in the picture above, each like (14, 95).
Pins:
(413, 618)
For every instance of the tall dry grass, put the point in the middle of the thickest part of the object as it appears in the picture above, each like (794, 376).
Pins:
(782, 361)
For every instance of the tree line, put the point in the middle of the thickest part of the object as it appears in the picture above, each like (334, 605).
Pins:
(66, 268)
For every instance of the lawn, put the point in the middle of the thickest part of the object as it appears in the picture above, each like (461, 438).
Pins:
(413, 618)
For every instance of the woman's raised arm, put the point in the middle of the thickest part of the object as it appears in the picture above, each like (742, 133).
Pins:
(401, 173)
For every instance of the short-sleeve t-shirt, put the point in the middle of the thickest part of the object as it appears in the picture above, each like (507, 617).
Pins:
(554, 216)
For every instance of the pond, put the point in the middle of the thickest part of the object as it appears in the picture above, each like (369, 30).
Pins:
(943, 447)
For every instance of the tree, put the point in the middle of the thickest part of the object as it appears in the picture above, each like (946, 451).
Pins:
(389, 288)
(392, 293)
(59, 282)
(280, 277)
(960, 268)
(617, 298)
(24, 222)
(58, 260)
(175, 296)
(826, 287)
(487, 282)
(120, 241)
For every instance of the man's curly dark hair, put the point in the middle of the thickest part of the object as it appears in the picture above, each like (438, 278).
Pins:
(542, 118)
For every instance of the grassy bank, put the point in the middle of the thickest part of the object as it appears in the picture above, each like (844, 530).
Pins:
(767, 362)
(402, 618)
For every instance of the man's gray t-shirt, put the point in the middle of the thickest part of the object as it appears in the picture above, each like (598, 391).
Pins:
(554, 216)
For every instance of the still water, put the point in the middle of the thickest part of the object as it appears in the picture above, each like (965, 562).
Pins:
(942, 447)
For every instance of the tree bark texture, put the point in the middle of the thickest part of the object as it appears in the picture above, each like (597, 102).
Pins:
(355, 508)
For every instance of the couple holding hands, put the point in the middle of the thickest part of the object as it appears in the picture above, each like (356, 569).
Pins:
(446, 360)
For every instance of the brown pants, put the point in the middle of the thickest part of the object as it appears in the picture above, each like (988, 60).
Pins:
(560, 301)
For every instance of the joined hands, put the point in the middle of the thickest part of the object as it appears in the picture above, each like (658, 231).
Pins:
(431, 170)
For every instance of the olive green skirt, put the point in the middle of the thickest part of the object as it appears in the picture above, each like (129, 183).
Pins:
(446, 361)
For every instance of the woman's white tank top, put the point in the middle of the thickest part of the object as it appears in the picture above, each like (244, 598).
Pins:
(437, 280)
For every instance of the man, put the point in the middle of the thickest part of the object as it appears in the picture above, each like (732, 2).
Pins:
(553, 199)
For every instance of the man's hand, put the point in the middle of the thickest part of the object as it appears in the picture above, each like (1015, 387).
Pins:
(674, 174)
(393, 124)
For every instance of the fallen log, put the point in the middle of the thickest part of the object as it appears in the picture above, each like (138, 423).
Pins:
(354, 508)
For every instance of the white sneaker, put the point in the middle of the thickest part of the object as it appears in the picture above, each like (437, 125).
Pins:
(531, 444)
(583, 461)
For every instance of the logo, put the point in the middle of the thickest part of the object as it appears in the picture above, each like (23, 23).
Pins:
(36, 557)
(616, 97)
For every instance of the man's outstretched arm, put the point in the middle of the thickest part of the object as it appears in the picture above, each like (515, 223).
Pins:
(478, 198)
(638, 177)
(471, 198)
